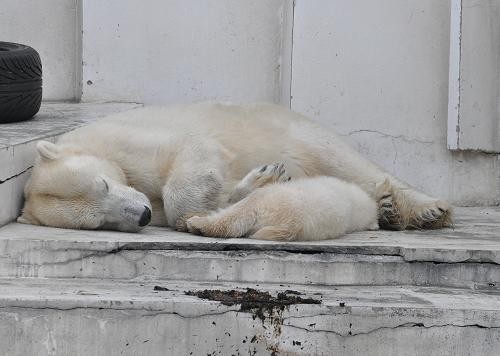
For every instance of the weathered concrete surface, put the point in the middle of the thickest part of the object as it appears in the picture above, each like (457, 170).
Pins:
(466, 257)
(18, 140)
(475, 238)
(68, 317)
(124, 314)
(56, 118)
(244, 266)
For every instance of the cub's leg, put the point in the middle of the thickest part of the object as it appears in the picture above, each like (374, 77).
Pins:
(238, 221)
(257, 178)
(261, 215)
(234, 221)
(276, 233)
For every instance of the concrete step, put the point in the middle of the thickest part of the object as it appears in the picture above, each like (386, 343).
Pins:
(18, 140)
(106, 317)
(466, 257)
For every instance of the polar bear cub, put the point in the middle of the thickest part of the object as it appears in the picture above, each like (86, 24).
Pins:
(299, 210)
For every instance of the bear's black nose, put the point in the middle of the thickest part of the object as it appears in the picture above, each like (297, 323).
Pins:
(145, 217)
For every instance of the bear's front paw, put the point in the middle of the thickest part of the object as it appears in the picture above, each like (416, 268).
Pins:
(389, 216)
(398, 212)
(433, 215)
(257, 178)
(271, 173)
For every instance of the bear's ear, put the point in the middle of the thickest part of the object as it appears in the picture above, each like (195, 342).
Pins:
(47, 150)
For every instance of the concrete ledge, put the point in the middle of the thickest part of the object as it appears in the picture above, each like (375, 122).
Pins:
(62, 317)
(475, 238)
(466, 257)
(17, 144)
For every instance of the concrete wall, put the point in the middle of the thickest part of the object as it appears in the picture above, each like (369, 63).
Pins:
(377, 72)
(180, 51)
(52, 28)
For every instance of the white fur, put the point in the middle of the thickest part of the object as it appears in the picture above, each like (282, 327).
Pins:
(306, 209)
(188, 159)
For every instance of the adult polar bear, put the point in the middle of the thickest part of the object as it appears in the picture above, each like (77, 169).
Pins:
(185, 160)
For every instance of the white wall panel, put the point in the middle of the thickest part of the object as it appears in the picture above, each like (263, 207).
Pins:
(52, 28)
(473, 114)
(377, 72)
(176, 51)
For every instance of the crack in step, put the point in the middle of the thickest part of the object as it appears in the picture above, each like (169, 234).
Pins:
(16, 175)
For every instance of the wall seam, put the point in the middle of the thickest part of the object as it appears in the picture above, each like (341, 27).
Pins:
(77, 88)
(291, 56)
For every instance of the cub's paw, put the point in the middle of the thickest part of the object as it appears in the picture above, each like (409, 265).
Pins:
(181, 223)
(196, 225)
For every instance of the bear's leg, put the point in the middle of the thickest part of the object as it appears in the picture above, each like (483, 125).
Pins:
(403, 208)
(234, 221)
(259, 177)
(191, 193)
(195, 181)
(407, 208)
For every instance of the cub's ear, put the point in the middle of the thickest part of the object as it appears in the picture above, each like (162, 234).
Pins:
(26, 218)
(47, 150)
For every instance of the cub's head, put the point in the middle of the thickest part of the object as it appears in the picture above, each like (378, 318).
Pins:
(72, 189)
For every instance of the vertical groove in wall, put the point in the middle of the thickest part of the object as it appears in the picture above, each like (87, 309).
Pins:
(78, 91)
(459, 72)
(291, 55)
(285, 84)
(453, 135)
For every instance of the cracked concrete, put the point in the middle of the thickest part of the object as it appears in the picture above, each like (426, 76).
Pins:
(15, 175)
(404, 325)
(111, 317)
(98, 288)
(400, 137)
(246, 266)
(425, 163)
(466, 257)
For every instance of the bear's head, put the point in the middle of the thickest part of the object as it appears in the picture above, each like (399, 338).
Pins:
(70, 188)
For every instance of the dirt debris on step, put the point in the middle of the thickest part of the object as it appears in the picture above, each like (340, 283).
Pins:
(255, 301)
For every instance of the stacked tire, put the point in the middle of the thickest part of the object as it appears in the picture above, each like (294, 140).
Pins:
(20, 82)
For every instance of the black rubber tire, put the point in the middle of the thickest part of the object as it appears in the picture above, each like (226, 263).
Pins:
(20, 82)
